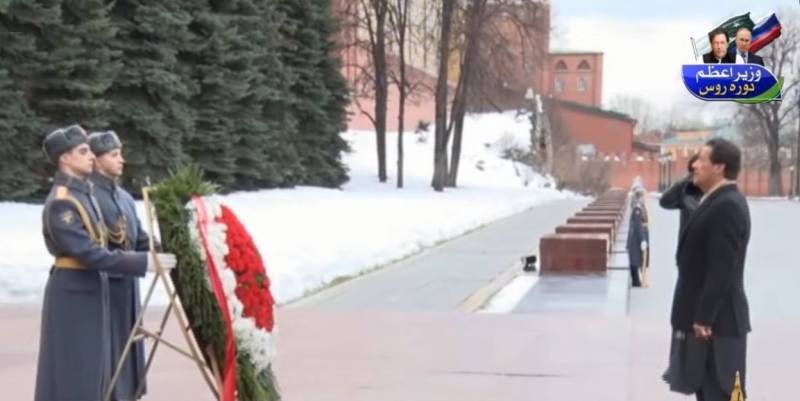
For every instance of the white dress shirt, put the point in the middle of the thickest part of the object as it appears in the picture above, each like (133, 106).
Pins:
(741, 59)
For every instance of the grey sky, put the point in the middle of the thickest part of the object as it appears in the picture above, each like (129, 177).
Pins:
(646, 42)
(659, 9)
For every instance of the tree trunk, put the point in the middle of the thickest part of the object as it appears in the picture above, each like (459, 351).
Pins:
(455, 156)
(472, 35)
(476, 15)
(401, 22)
(440, 147)
(381, 84)
(775, 180)
(775, 186)
(400, 117)
(459, 111)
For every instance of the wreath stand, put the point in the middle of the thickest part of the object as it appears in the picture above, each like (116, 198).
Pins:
(211, 373)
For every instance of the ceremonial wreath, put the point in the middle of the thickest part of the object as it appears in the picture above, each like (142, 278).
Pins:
(222, 283)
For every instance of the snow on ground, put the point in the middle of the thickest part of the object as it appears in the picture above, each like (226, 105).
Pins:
(310, 236)
(509, 296)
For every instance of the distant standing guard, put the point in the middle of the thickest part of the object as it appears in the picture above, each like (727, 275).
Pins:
(637, 236)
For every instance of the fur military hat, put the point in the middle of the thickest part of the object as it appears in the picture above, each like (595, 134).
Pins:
(104, 142)
(63, 140)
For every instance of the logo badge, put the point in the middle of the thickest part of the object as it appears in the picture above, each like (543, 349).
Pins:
(68, 217)
(743, 83)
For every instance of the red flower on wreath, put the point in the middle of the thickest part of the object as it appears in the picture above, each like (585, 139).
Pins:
(252, 283)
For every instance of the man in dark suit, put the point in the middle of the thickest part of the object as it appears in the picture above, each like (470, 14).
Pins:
(710, 302)
(742, 55)
(719, 48)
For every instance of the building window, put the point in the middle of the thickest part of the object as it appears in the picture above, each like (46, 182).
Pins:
(561, 65)
(584, 65)
(583, 84)
(559, 85)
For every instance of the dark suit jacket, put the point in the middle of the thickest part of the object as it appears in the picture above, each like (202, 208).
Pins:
(754, 59)
(751, 58)
(709, 58)
(711, 256)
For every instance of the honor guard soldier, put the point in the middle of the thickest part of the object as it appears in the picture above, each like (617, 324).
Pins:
(125, 233)
(75, 344)
(638, 236)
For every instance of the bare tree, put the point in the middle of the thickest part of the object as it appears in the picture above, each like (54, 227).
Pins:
(497, 40)
(639, 109)
(398, 18)
(371, 77)
(474, 18)
(440, 147)
(781, 57)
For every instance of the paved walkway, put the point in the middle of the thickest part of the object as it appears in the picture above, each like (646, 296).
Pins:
(443, 277)
(405, 353)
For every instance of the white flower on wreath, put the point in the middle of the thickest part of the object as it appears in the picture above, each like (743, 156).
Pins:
(258, 344)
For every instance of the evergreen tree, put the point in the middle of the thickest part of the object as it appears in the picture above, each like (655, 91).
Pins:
(149, 98)
(318, 92)
(70, 85)
(336, 106)
(20, 157)
(217, 66)
(266, 154)
(247, 89)
(23, 168)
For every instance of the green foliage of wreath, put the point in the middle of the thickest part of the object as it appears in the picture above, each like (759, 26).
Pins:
(170, 198)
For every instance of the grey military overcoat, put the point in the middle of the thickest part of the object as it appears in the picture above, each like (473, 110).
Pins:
(125, 233)
(75, 346)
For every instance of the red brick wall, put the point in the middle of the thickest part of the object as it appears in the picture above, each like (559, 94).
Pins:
(420, 106)
(610, 136)
(524, 69)
(753, 181)
(625, 172)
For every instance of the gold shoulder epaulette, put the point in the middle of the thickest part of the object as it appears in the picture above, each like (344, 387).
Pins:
(62, 192)
(96, 233)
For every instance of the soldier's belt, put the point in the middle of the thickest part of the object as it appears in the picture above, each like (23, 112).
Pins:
(66, 262)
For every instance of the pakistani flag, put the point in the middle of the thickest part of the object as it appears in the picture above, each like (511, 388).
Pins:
(701, 44)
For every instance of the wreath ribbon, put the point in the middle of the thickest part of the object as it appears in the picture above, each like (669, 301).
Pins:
(228, 391)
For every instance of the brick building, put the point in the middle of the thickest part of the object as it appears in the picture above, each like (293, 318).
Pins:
(574, 76)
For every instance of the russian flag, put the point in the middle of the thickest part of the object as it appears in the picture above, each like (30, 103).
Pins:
(764, 32)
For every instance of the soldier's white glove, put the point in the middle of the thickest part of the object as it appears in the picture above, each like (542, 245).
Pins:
(644, 246)
(167, 261)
